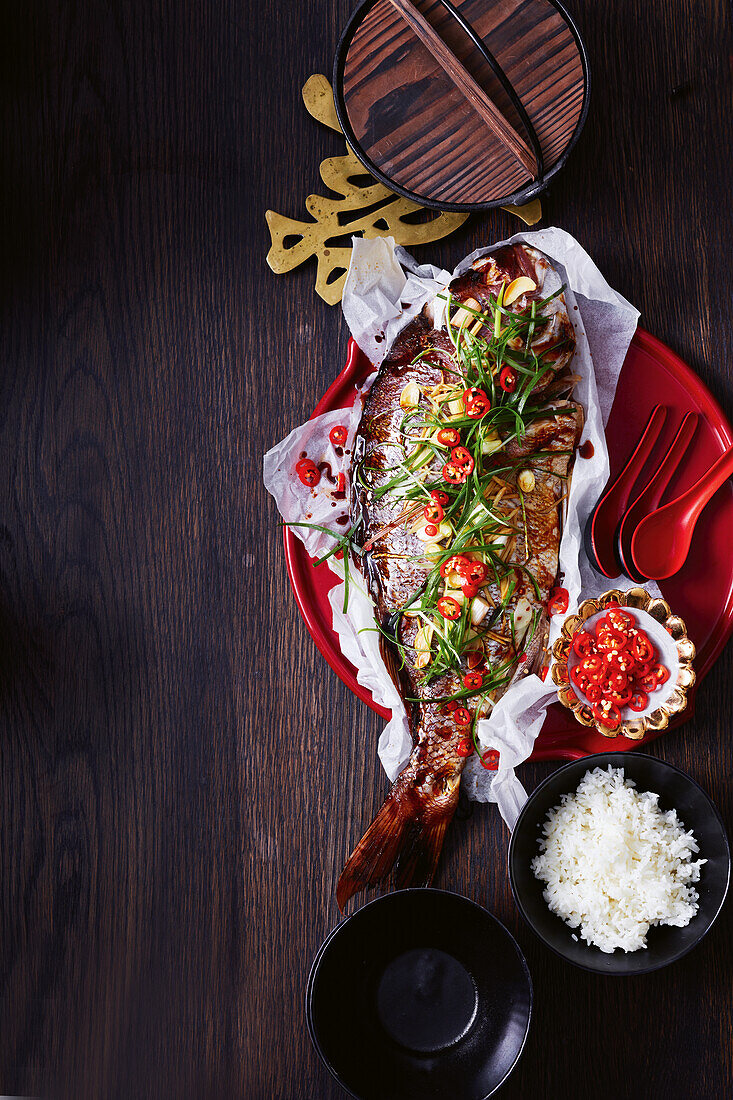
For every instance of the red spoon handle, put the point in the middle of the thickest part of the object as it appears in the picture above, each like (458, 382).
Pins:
(650, 497)
(695, 499)
(625, 481)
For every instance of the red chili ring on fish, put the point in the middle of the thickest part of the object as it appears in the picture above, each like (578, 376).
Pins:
(449, 608)
(453, 475)
(465, 747)
(453, 565)
(433, 512)
(469, 590)
(473, 681)
(462, 716)
(449, 437)
(462, 459)
(508, 379)
(476, 403)
(338, 435)
(477, 572)
(440, 498)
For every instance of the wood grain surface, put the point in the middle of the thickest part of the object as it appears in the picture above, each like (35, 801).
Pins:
(428, 136)
(181, 775)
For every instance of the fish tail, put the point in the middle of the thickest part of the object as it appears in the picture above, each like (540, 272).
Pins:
(397, 837)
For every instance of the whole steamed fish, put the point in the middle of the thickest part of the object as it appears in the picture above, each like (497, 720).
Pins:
(460, 465)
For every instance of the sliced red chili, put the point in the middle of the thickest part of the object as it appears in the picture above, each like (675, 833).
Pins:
(340, 483)
(433, 512)
(490, 760)
(607, 713)
(477, 571)
(338, 435)
(308, 472)
(639, 701)
(476, 403)
(559, 601)
(455, 564)
(616, 681)
(619, 659)
(579, 678)
(473, 681)
(449, 437)
(609, 638)
(469, 590)
(462, 459)
(661, 674)
(448, 607)
(462, 716)
(592, 666)
(440, 498)
(464, 746)
(508, 379)
(543, 673)
(450, 706)
(648, 683)
(431, 530)
(622, 697)
(593, 692)
(453, 475)
(641, 648)
(619, 618)
(584, 643)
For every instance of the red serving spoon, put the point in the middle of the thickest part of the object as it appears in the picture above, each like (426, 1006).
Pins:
(649, 498)
(661, 542)
(608, 512)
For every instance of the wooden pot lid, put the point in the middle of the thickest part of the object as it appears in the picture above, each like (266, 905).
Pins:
(416, 130)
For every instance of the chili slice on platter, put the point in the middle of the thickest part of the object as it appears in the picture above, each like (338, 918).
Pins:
(508, 379)
(338, 435)
(308, 472)
(464, 746)
(559, 601)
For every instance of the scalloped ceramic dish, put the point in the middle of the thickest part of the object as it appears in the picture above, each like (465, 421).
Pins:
(702, 592)
(649, 610)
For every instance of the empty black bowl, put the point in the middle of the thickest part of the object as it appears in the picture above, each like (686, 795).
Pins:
(676, 791)
(419, 994)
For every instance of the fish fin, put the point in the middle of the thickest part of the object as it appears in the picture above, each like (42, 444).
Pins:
(398, 837)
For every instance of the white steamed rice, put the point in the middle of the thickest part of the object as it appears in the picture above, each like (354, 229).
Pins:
(614, 864)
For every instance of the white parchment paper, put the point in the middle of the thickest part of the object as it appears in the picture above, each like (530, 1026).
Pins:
(384, 289)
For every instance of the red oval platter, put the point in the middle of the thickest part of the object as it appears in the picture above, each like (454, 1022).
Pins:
(702, 592)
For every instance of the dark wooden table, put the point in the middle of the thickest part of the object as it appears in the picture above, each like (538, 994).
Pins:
(181, 773)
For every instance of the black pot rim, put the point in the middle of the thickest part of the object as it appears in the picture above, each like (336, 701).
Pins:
(518, 198)
(593, 761)
(315, 967)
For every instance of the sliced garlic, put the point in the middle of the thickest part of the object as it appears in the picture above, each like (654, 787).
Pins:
(462, 316)
(422, 660)
(445, 529)
(491, 443)
(526, 481)
(456, 407)
(433, 551)
(517, 288)
(479, 610)
(410, 396)
(423, 638)
(522, 618)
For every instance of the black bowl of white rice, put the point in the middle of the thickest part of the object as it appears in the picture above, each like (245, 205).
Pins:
(619, 863)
